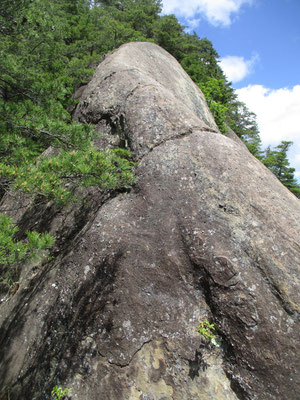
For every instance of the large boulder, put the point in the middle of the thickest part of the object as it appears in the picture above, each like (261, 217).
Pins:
(207, 233)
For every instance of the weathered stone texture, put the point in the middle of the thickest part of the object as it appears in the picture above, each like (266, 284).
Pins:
(207, 232)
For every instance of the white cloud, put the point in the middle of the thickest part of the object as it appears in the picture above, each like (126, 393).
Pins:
(192, 24)
(217, 12)
(278, 116)
(237, 68)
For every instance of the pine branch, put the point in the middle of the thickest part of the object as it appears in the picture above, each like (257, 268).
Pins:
(17, 89)
(33, 131)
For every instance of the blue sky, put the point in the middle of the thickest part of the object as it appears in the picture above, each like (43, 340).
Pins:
(258, 42)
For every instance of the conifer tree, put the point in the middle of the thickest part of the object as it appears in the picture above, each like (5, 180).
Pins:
(45, 52)
(276, 160)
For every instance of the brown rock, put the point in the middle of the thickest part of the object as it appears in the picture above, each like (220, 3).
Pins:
(207, 233)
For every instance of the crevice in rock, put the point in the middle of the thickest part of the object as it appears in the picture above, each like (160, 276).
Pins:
(125, 140)
(109, 76)
(236, 387)
(178, 136)
(110, 120)
(123, 365)
(118, 127)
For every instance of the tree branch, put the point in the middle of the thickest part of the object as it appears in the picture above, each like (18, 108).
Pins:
(32, 132)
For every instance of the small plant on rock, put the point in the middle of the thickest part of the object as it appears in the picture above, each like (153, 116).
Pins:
(59, 394)
(206, 329)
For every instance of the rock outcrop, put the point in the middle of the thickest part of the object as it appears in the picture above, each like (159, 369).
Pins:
(207, 233)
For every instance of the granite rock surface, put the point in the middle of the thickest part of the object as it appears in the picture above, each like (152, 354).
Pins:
(207, 233)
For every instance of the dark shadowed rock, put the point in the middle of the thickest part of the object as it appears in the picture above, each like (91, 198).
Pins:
(207, 233)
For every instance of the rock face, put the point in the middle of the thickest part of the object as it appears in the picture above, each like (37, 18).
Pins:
(207, 233)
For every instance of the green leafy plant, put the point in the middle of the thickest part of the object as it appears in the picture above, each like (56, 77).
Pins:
(13, 251)
(8, 282)
(59, 394)
(56, 177)
(206, 329)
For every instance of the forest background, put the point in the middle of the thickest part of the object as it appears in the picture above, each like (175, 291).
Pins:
(48, 49)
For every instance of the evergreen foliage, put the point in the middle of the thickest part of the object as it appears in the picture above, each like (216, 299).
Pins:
(47, 49)
(243, 123)
(214, 91)
(57, 177)
(13, 252)
(276, 160)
